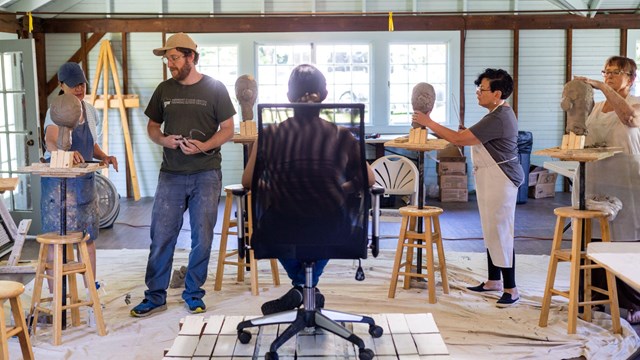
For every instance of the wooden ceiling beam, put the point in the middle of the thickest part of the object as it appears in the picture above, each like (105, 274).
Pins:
(338, 23)
(8, 23)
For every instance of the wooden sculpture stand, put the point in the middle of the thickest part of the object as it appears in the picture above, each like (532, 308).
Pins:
(45, 170)
(581, 217)
(428, 145)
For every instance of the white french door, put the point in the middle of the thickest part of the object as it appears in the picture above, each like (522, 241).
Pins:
(19, 128)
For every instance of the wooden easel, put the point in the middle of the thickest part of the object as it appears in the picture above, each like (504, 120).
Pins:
(106, 61)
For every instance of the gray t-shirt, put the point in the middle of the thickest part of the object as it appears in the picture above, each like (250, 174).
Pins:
(190, 110)
(498, 132)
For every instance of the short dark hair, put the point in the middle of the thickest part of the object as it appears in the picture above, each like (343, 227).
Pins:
(306, 81)
(187, 52)
(498, 80)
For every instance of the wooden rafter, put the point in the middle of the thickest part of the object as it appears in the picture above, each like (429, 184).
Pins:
(302, 23)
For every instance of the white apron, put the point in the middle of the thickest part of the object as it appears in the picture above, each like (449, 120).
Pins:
(496, 196)
(617, 176)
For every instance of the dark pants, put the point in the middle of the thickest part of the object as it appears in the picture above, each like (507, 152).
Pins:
(509, 274)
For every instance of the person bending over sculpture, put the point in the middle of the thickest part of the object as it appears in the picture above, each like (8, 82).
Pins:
(322, 148)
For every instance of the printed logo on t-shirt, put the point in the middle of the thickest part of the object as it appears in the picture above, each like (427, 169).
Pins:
(187, 102)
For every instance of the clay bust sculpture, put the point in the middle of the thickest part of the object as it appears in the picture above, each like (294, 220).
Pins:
(577, 101)
(246, 93)
(422, 99)
(65, 111)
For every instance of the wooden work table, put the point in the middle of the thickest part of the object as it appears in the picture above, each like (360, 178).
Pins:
(621, 258)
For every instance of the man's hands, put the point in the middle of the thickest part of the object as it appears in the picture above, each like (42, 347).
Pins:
(191, 146)
(187, 146)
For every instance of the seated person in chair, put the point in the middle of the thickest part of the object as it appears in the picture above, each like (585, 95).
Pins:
(329, 154)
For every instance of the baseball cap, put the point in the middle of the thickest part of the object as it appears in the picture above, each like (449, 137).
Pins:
(179, 40)
(71, 74)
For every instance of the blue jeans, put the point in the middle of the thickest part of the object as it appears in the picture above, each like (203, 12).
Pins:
(175, 194)
(295, 270)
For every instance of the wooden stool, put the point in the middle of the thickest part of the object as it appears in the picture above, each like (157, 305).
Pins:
(574, 256)
(411, 238)
(70, 268)
(11, 290)
(241, 263)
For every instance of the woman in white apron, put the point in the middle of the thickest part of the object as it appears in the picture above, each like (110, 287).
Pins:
(498, 173)
(615, 122)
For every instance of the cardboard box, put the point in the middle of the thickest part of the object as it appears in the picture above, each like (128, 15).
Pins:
(547, 178)
(534, 172)
(452, 166)
(454, 195)
(453, 182)
(450, 151)
(542, 191)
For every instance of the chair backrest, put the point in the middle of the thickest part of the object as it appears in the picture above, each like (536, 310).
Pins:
(397, 175)
(310, 196)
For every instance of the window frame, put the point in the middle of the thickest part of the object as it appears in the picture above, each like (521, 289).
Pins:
(379, 109)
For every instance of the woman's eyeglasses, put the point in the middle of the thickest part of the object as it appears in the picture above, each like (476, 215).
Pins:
(479, 89)
(606, 73)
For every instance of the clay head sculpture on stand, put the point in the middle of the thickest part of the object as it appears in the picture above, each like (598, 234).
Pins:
(246, 93)
(577, 101)
(65, 111)
(422, 99)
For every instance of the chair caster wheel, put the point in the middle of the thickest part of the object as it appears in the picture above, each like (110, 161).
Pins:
(375, 331)
(271, 355)
(366, 354)
(244, 336)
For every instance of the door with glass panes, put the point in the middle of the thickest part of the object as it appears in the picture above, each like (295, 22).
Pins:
(19, 128)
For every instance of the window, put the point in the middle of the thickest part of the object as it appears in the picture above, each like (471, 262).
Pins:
(409, 65)
(221, 63)
(346, 68)
(274, 67)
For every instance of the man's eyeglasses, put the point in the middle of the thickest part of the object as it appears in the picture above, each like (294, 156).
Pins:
(606, 73)
(173, 59)
(479, 89)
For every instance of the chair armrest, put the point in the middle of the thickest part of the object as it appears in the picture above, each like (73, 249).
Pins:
(376, 192)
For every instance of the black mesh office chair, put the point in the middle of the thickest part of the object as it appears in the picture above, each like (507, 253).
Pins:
(301, 212)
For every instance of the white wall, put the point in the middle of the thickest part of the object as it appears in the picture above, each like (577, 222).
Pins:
(541, 69)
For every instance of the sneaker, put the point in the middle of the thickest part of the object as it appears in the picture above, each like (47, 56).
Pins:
(196, 305)
(146, 308)
(289, 301)
(506, 300)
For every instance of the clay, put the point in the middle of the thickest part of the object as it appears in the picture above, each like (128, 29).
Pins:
(423, 98)
(246, 93)
(65, 111)
(577, 101)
